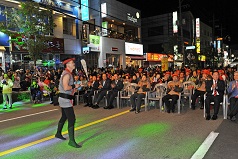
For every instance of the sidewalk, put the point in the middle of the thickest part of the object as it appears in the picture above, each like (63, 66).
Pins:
(21, 105)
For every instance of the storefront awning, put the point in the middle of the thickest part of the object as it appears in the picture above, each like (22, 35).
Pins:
(137, 57)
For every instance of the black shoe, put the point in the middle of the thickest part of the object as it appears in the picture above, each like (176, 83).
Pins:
(90, 105)
(208, 117)
(168, 111)
(52, 103)
(4, 108)
(233, 118)
(173, 111)
(193, 107)
(86, 105)
(132, 110)
(214, 117)
(137, 112)
(10, 107)
(96, 106)
(107, 107)
(110, 107)
(60, 137)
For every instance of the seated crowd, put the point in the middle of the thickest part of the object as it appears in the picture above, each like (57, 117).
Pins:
(105, 84)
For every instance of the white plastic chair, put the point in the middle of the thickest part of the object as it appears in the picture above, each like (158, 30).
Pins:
(223, 104)
(157, 94)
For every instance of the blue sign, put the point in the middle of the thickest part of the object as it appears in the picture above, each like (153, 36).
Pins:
(84, 10)
(4, 39)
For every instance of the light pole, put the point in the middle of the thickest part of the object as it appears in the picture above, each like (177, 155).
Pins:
(181, 30)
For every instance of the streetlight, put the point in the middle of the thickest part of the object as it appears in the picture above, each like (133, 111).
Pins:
(181, 30)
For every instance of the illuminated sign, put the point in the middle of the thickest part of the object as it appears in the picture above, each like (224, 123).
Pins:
(131, 18)
(197, 27)
(190, 47)
(104, 10)
(84, 10)
(218, 46)
(198, 35)
(158, 57)
(86, 50)
(198, 45)
(104, 28)
(134, 49)
(94, 43)
(175, 18)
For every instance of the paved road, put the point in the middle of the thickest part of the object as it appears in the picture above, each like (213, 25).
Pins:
(27, 132)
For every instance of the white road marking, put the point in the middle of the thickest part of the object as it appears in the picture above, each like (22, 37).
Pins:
(27, 115)
(204, 147)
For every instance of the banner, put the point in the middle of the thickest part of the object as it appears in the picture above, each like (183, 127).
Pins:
(164, 63)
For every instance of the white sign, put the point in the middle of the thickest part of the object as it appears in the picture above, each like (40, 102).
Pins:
(197, 27)
(104, 9)
(175, 18)
(131, 18)
(190, 47)
(134, 49)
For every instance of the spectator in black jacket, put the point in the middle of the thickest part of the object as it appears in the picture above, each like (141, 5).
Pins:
(92, 86)
(104, 86)
(116, 85)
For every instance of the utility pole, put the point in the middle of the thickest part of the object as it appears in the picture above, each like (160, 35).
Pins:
(181, 30)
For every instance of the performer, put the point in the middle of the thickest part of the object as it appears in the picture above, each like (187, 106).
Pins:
(66, 96)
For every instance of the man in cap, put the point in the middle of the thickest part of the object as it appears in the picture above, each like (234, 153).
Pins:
(66, 96)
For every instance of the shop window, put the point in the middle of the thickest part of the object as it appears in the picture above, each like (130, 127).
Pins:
(68, 26)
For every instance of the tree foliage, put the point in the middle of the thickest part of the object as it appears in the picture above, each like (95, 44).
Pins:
(33, 22)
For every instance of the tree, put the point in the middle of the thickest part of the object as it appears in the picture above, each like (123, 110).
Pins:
(34, 23)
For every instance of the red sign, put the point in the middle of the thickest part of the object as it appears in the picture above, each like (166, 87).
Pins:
(158, 57)
(114, 49)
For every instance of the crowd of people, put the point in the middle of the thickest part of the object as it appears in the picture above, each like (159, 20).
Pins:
(104, 83)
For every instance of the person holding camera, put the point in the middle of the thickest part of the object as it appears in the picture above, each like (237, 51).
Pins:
(6, 85)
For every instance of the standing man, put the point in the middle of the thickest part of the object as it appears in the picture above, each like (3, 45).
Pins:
(6, 85)
(66, 96)
(215, 90)
(233, 97)
(116, 85)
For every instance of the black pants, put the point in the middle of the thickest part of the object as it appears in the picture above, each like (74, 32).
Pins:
(87, 97)
(233, 109)
(170, 105)
(99, 96)
(136, 100)
(111, 96)
(67, 113)
(217, 100)
(195, 96)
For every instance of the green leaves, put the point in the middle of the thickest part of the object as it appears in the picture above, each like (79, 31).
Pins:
(33, 22)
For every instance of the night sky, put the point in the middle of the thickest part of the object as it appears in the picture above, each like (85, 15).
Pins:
(225, 12)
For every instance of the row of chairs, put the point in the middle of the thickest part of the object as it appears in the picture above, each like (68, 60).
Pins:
(159, 91)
